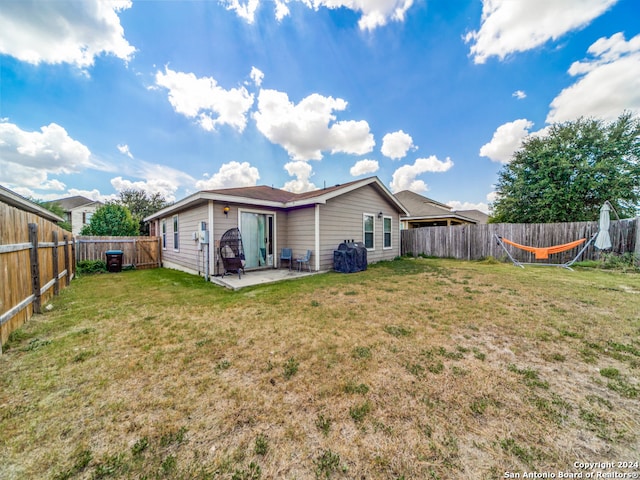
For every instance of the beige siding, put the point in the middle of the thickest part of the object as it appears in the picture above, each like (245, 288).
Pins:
(282, 235)
(188, 256)
(342, 219)
(301, 235)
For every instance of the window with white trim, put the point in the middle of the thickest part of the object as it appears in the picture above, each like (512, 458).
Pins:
(386, 232)
(164, 234)
(368, 229)
(176, 233)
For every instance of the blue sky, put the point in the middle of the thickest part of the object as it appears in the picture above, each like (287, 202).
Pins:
(178, 96)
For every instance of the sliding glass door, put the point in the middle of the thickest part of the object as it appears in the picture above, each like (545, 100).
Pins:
(257, 239)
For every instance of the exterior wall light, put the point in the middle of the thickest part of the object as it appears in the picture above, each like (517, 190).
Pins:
(226, 209)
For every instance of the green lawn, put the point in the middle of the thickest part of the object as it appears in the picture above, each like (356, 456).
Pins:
(414, 369)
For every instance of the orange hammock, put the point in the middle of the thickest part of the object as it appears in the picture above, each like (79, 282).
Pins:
(543, 252)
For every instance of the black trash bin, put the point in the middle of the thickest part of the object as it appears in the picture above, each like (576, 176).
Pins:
(114, 260)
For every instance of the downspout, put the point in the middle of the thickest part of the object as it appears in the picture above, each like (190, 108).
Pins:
(317, 239)
(211, 245)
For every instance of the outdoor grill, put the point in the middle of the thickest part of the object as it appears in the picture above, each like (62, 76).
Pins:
(350, 257)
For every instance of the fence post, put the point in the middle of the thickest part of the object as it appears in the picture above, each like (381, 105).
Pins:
(74, 254)
(637, 246)
(35, 267)
(54, 259)
(66, 259)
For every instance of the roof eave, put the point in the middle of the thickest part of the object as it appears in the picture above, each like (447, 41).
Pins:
(216, 197)
(434, 217)
(15, 200)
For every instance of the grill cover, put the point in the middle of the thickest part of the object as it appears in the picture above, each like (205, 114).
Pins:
(350, 257)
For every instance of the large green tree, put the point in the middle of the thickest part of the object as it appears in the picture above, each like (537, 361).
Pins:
(141, 204)
(112, 219)
(568, 174)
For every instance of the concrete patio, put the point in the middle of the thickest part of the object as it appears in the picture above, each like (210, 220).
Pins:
(259, 277)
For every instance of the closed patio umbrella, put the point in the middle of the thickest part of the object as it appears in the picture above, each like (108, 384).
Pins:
(603, 240)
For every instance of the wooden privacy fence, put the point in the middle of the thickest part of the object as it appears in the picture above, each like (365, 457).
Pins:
(36, 261)
(475, 242)
(138, 252)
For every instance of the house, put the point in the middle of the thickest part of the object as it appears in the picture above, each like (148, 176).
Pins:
(270, 219)
(425, 212)
(78, 211)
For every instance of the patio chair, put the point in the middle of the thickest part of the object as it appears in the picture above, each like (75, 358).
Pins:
(286, 254)
(232, 252)
(304, 260)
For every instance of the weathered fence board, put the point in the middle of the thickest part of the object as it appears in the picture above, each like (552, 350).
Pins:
(34, 265)
(139, 252)
(474, 242)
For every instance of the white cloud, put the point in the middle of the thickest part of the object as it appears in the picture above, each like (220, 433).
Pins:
(404, 178)
(374, 13)
(204, 100)
(307, 129)
(91, 194)
(27, 158)
(63, 31)
(281, 9)
(303, 173)
(510, 26)
(165, 187)
(245, 10)
(257, 76)
(396, 145)
(519, 94)
(506, 140)
(608, 83)
(363, 167)
(456, 205)
(232, 174)
(124, 149)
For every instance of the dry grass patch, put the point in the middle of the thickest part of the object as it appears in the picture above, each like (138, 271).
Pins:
(412, 369)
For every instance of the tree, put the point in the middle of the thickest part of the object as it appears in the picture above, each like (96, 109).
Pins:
(141, 205)
(567, 175)
(111, 219)
(55, 207)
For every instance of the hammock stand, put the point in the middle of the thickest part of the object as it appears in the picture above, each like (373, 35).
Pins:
(542, 253)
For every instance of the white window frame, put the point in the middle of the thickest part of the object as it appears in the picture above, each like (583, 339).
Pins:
(176, 233)
(373, 231)
(163, 231)
(384, 234)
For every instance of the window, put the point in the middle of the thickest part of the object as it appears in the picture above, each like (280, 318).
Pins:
(367, 227)
(164, 234)
(176, 233)
(386, 227)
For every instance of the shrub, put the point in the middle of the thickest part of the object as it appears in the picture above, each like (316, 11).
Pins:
(626, 262)
(92, 266)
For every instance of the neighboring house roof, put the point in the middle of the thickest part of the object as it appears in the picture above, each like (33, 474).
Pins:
(71, 203)
(274, 197)
(12, 198)
(477, 215)
(419, 205)
(424, 208)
